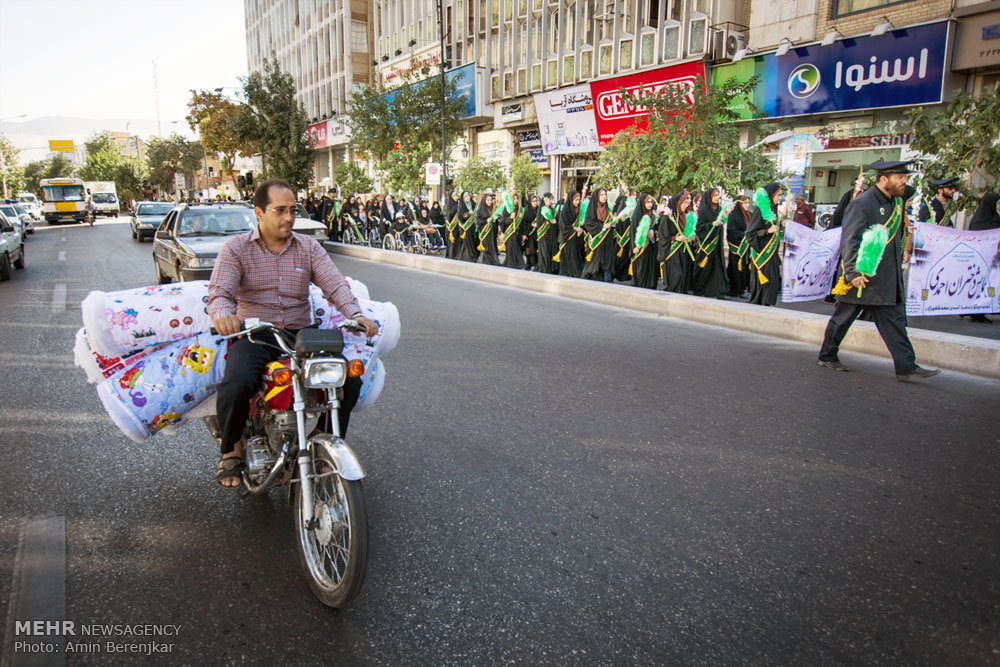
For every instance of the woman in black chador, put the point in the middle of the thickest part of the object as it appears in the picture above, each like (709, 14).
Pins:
(674, 249)
(509, 226)
(466, 237)
(527, 232)
(736, 228)
(764, 236)
(547, 233)
(710, 267)
(642, 249)
(486, 230)
(600, 246)
(570, 255)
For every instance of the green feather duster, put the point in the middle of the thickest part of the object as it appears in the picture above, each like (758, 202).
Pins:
(642, 231)
(584, 205)
(690, 224)
(873, 243)
(628, 210)
(763, 204)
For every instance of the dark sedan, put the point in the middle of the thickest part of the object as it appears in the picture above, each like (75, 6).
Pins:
(190, 237)
(147, 216)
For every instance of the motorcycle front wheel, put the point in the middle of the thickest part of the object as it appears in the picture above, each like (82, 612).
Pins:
(333, 550)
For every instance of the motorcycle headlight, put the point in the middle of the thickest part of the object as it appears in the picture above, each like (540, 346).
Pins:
(325, 373)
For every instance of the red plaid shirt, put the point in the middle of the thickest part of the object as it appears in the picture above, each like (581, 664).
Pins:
(251, 280)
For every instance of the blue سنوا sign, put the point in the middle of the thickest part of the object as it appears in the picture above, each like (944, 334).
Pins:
(464, 78)
(902, 67)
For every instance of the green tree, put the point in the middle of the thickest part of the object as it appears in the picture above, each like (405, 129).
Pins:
(690, 143)
(524, 175)
(478, 174)
(352, 179)
(218, 121)
(963, 140)
(8, 164)
(105, 162)
(170, 156)
(395, 127)
(277, 122)
(54, 166)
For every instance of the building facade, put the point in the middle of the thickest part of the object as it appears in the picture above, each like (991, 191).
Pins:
(325, 45)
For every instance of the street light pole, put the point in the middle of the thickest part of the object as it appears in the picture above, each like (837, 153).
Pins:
(444, 136)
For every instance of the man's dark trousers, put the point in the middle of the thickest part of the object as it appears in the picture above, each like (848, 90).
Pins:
(890, 322)
(245, 365)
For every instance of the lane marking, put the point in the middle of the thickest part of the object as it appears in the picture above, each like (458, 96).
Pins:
(38, 590)
(59, 297)
(36, 325)
(13, 416)
(62, 255)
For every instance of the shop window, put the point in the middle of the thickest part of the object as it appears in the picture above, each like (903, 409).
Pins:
(844, 7)
(671, 41)
(569, 64)
(625, 53)
(647, 48)
(696, 34)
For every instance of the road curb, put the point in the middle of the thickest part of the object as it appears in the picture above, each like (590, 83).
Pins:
(952, 351)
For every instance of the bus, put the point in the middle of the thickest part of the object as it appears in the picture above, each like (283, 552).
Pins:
(63, 200)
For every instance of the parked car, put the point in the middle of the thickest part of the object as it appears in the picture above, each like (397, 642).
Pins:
(10, 212)
(27, 223)
(305, 225)
(189, 238)
(31, 204)
(146, 217)
(11, 248)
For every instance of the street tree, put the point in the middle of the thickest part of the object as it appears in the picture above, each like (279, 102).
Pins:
(351, 178)
(54, 166)
(400, 128)
(962, 139)
(13, 175)
(106, 162)
(218, 120)
(478, 174)
(524, 175)
(170, 156)
(277, 123)
(690, 143)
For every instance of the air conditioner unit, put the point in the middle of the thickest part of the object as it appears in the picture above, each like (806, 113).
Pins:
(726, 42)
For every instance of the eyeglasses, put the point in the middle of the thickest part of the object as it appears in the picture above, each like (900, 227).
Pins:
(281, 210)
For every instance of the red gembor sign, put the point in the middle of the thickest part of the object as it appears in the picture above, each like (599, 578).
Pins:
(614, 113)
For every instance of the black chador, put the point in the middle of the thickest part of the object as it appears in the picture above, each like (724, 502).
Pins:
(600, 245)
(765, 270)
(465, 232)
(529, 223)
(570, 255)
(710, 266)
(450, 224)
(641, 251)
(736, 227)
(547, 236)
(674, 251)
(486, 227)
(510, 237)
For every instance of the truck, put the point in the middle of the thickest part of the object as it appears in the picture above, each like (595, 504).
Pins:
(104, 197)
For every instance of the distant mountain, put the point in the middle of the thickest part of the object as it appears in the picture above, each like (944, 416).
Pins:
(32, 136)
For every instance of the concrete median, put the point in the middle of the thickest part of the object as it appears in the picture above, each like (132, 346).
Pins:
(951, 351)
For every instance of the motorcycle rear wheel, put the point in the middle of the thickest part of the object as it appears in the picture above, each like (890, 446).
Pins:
(334, 552)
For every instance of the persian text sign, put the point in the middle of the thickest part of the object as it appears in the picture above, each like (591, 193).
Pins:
(317, 134)
(953, 271)
(614, 112)
(566, 121)
(809, 262)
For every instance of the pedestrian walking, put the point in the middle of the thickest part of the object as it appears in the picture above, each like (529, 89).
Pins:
(674, 252)
(546, 234)
(764, 235)
(710, 269)
(642, 249)
(570, 253)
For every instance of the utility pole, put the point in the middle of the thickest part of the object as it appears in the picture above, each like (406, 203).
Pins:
(444, 137)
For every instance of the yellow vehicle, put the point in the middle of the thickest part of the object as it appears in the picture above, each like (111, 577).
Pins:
(63, 200)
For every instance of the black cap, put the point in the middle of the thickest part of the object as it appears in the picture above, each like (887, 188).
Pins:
(945, 182)
(882, 167)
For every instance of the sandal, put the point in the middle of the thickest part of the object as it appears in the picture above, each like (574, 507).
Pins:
(229, 467)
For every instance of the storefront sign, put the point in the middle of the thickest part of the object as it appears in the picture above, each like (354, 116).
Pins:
(529, 138)
(396, 72)
(809, 262)
(566, 121)
(614, 111)
(511, 113)
(742, 72)
(904, 67)
(537, 156)
(466, 89)
(317, 135)
(871, 141)
(953, 272)
(977, 41)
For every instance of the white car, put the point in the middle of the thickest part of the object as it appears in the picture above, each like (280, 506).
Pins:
(32, 206)
(27, 223)
(13, 217)
(11, 248)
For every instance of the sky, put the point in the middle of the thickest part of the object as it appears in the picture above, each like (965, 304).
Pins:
(94, 58)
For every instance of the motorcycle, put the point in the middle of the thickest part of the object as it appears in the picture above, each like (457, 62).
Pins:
(293, 439)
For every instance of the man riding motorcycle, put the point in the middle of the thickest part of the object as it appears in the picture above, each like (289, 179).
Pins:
(265, 273)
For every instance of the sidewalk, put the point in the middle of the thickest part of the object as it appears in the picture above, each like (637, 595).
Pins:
(977, 355)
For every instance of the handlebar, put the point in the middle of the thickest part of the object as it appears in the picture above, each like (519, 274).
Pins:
(254, 325)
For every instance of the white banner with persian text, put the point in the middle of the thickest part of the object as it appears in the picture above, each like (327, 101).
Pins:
(566, 121)
(953, 271)
(809, 262)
